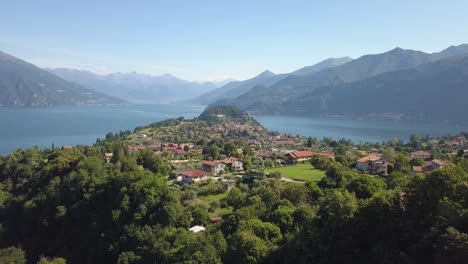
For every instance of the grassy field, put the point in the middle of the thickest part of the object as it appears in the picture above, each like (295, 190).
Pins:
(213, 197)
(300, 172)
(216, 197)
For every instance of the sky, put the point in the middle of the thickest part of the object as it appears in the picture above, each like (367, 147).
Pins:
(216, 40)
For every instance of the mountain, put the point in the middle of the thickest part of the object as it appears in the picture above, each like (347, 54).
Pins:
(436, 90)
(23, 84)
(328, 63)
(266, 78)
(283, 95)
(136, 87)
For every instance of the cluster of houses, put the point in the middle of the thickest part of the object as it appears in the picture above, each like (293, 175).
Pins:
(160, 148)
(217, 167)
(376, 164)
(209, 169)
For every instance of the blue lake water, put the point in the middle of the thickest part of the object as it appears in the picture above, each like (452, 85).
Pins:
(28, 127)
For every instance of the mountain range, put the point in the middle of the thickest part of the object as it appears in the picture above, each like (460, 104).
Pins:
(266, 78)
(136, 87)
(399, 83)
(363, 86)
(23, 84)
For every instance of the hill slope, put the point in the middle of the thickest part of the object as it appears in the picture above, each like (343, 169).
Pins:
(23, 84)
(136, 87)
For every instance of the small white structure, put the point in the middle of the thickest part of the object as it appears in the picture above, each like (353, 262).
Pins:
(197, 229)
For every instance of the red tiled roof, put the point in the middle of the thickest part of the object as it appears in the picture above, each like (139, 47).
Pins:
(193, 173)
(210, 163)
(327, 155)
(229, 160)
(215, 219)
(300, 154)
(372, 157)
(109, 155)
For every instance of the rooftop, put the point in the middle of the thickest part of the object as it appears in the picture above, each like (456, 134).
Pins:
(193, 173)
(372, 157)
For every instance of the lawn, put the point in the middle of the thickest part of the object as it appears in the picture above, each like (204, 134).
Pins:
(216, 197)
(221, 211)
(300, 172)
(213, 197)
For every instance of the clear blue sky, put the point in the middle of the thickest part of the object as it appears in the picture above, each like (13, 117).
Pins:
(204, 40)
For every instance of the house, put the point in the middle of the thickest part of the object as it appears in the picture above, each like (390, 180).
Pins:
(213, 167)
(144, 136)
(108, 156)
(217, 167)
(437, 164)
(190, 176)
(233, 164)
(457, 142)
(428, 166)
(299, 156)
(424, 155)
(373, 164)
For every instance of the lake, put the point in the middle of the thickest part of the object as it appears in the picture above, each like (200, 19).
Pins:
(28, 127)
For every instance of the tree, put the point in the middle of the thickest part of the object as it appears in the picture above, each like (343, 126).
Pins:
(336, 176)
(338, 206)
(364, 186)
(452, 247)
(416, 162)
(402, 163)
(253, 241)
(44, 260)
(200, 216)
(415, 141)
(235, 198)
(320, 162)
(342, 159)
(12, 255)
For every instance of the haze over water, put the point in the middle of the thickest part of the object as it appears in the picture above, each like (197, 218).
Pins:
(28, 127)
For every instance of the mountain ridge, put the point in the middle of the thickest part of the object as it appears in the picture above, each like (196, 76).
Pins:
(24, 84)
(234, 89)
(274, 98)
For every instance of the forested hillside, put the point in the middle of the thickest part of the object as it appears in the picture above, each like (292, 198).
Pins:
(73, 204)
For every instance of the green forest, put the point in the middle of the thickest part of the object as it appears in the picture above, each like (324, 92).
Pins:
(70, 205)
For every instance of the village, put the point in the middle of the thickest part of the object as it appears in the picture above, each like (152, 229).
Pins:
(221, 146)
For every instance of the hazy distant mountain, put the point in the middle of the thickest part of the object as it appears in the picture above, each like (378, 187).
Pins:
(283, 95)
(23, 84)
(266, 78)
(136, 87)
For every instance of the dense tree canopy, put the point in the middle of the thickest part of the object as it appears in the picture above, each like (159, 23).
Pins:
(70, 205)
